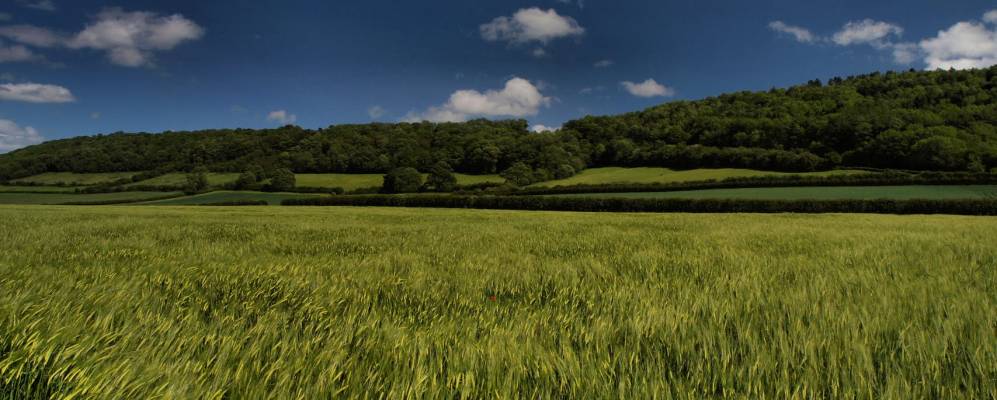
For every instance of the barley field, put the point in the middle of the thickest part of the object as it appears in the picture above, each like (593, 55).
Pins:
(288, 303)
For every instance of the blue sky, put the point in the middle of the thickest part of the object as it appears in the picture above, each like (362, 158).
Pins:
(75, 67)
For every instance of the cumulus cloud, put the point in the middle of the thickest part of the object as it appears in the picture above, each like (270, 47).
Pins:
(866, 31)
(905, 53)
(35, 93)
(802, 35)
(539, 128)
(519, 98)
(130, 38)
(531, 25)
(964, 45)
(376, 112)
(990, 16)
(282, 117)
(13, 137)
(603, 63)
(648, 88)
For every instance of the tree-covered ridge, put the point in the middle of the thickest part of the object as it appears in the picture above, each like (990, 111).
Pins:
(941, 120)
(474, 147)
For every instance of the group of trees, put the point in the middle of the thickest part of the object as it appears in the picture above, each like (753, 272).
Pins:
(408, 180)
(939, 120)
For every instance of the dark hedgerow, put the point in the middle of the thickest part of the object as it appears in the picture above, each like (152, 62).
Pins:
(538, 203)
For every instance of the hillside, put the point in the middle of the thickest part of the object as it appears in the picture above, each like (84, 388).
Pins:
(941, 120)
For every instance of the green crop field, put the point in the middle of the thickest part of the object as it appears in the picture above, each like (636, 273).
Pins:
(180, 179)
(36, 189)
(357, 181)
(281, 302)
(229, 196)
(821, 193)
(62, 198)
(76, 179)
(596, 176)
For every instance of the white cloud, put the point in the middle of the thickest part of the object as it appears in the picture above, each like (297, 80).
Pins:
(44, 5)
(531, 25)
(990, 16)
(603, 63)
(32, 35)
(866, 31)
(648, 88)
(376, 112)
(13, 137)
(17, 53)
(586, 90)
(539, 128)
(802, 35)
(905, 53)
(962, 46)
(35, 93)
(539, 52)
(519, 98)
(130, 38)
(282, 117)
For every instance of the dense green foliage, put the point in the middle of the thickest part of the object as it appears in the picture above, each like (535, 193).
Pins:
(589, 203)
(440, 178)
(940, 120)
(932, 192)
(321, 303)
(282, 179)
(402, 180)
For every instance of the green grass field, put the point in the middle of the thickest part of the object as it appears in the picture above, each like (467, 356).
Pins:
(229, 196)
(62, 198)
(50, 178)
(180, 179)
(357, 181)
(596, 176)
(36, 189)
(939, 192)
(264, 302)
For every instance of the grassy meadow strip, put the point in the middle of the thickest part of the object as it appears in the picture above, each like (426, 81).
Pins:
(891, 178)
(90, 199)
(256, 302)
(656, 175)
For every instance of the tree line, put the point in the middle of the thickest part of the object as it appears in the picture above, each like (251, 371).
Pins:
(937, 120)
(595, 204)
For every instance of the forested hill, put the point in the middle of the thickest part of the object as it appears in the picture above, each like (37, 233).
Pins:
(941, 120)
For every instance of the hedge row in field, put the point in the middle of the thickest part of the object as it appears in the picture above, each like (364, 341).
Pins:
(881, 179)
(884, 206)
